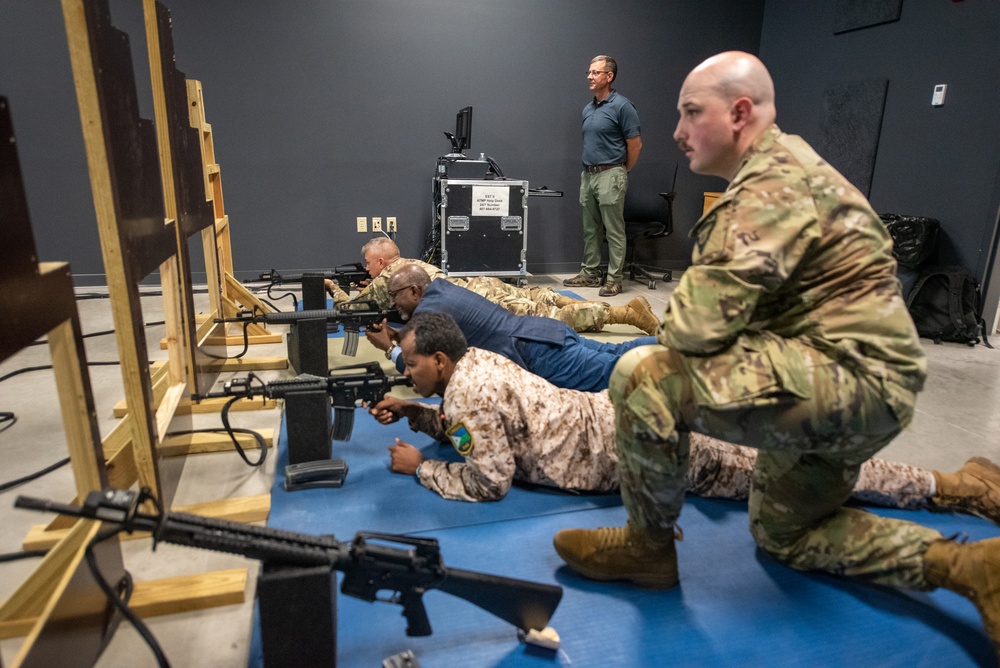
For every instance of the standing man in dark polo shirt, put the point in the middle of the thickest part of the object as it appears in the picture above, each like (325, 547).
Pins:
(611, 145)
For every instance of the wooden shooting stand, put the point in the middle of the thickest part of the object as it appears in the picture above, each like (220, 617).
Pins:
(193, 179)
(61, 588)
(136, 238)
(129, 201)
(234, 296)
(59, 608)
(194, 200)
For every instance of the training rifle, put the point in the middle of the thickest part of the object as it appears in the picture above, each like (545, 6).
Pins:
(372, 562)
(352, 316)
(347, 276)
(347, 390)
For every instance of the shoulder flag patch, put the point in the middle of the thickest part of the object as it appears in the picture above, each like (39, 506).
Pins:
(460, 438)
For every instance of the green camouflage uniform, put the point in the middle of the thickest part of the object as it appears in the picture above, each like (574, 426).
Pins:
(788, 333)
(584, 316)
(378, 289)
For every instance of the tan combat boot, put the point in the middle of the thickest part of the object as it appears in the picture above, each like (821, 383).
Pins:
(620, 553)
(637, 313)
(563, 300)
(973, 571)
(974, 488)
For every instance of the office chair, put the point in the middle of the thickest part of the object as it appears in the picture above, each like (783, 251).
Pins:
(646, 232)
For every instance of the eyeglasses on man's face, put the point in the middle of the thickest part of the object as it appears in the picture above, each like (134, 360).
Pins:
(596, 73)
(393, 293)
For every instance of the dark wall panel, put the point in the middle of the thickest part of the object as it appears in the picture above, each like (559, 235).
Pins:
(850, 127)
(325, 111)
(942, 162)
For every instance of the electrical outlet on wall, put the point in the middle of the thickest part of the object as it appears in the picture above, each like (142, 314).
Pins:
(390, 224)
(362, 223)
(376, 223)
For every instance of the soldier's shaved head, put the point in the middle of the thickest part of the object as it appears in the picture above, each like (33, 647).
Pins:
(735, 74)
(725, 104)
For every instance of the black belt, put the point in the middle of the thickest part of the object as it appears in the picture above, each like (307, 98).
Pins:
(594, 169)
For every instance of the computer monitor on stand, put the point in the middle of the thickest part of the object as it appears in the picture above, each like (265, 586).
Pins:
(462, 139)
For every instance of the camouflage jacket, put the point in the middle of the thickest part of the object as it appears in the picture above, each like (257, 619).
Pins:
(793, 250)
(378, 289)
(508, 423)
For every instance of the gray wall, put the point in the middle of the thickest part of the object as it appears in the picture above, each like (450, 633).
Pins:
(324, 111)
(942, 162)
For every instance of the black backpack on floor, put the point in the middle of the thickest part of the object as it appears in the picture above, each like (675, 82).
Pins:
(946, 305)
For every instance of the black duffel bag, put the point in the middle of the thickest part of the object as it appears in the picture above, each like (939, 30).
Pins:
(913, 238)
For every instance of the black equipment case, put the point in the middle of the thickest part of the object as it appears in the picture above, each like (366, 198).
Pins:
(483, 227)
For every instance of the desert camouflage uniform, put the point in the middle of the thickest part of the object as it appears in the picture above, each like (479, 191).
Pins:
(378, 289)
(522, 427)
(725, 470)
(787, 333)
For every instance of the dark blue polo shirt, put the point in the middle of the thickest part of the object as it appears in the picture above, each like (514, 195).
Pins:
(606, 126)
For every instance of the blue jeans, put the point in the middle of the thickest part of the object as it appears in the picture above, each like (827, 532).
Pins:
(579, 363)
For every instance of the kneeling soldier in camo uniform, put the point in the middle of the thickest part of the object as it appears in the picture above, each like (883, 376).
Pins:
(787, 333)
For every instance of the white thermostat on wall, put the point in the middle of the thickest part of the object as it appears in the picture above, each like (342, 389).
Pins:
(938, 98)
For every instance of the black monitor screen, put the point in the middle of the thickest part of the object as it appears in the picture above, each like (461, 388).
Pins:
(463, 128)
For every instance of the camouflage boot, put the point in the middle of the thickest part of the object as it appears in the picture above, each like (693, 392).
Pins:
(974, 488)
(637, 313)
(620, 553)
(972, 570)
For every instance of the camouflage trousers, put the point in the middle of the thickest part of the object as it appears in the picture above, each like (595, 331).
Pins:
(582, 316)
(723, 470)
(813, 422)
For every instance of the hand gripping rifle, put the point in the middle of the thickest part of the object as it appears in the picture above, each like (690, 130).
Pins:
(297, 603)
(352, 316)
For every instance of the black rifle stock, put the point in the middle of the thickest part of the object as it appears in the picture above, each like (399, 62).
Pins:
(347, 390)
(352, 316)
(371, 563)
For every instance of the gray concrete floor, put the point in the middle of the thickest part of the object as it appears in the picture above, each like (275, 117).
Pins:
(957, 418)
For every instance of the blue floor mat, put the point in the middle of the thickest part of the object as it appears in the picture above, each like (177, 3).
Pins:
(374, 498)
(735, 606)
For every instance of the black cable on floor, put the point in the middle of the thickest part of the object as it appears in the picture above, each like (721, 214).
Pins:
(246, 346)
(232, 431)
(116, 599)
(43, 367)
(26, 554)
(42, 342)
(33, 476)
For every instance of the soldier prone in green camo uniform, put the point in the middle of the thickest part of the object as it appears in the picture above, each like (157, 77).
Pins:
(788, 333)
(382, 259)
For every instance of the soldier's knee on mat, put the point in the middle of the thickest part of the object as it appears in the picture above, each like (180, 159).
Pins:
(626, 366)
